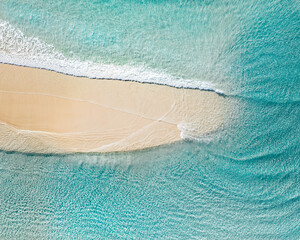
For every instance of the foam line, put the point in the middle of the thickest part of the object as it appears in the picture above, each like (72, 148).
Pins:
(32, 52)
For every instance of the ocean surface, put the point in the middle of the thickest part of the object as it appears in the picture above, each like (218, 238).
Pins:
(241, 182)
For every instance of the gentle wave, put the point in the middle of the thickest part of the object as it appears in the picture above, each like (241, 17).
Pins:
(18, 49)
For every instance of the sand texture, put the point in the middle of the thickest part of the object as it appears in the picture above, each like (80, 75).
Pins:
(47, 112)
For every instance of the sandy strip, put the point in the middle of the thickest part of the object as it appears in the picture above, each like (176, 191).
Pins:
(47, 112)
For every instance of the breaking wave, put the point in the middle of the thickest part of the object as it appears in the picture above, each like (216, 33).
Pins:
(18, 49)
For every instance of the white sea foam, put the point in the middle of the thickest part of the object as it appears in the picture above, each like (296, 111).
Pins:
(190, 132)
(18, 49)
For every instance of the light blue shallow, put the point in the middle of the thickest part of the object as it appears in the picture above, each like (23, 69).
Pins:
(246, 48)
(242, 184)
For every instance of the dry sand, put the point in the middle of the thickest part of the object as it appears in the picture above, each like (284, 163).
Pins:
(47, 112)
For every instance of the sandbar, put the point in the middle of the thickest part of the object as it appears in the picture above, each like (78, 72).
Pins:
(44, 111)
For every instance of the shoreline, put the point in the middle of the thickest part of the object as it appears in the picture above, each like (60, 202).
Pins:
(39, 63)
(44, 111)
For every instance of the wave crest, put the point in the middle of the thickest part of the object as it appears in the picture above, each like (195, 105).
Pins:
(18, 49)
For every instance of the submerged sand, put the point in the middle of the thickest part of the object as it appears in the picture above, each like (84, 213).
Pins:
(47, 112)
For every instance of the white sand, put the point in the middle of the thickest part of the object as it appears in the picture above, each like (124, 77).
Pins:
(47, 112)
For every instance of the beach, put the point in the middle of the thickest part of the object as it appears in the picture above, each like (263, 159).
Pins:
(149, 119)
(44, 111)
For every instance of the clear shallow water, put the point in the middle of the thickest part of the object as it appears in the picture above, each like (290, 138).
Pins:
(241, 183)
(245, 48)
(183, 191)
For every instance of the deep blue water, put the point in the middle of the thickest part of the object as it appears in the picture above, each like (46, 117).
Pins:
(241, 184)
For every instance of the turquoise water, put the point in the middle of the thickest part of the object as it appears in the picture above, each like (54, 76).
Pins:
(240, 183)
